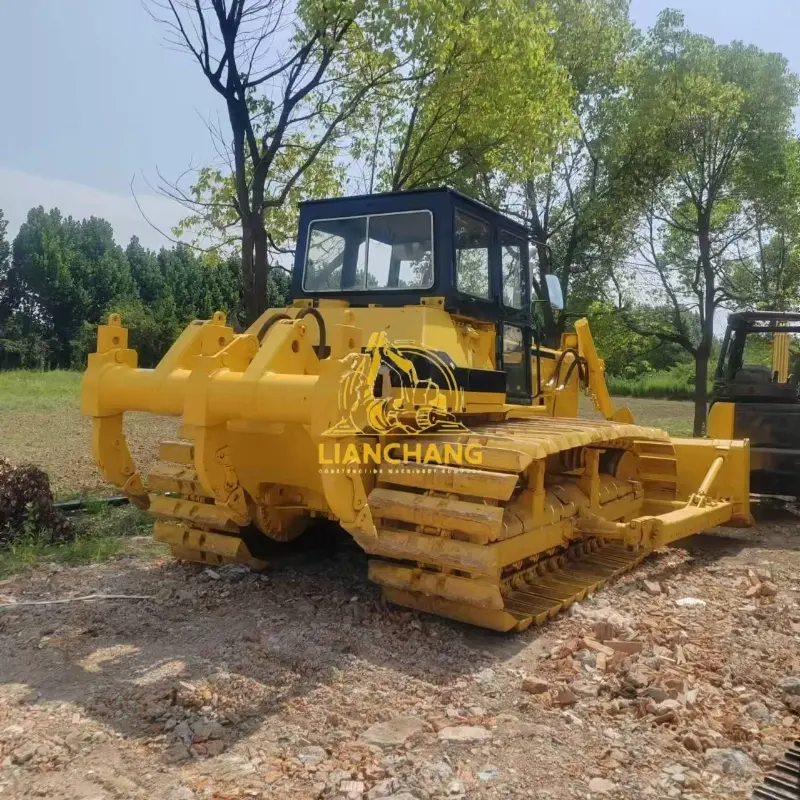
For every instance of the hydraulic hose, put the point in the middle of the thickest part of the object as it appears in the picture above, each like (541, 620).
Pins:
(268, 323)
(322, 351)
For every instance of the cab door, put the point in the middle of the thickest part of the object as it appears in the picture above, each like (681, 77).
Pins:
(513, 329)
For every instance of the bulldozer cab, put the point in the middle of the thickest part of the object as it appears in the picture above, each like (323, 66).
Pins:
(755, 397)
(759, 358)
(432, 246)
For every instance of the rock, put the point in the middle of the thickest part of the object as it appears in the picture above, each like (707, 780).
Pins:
(183, 733)
(214, 747)
(233, 572)
(597, 647)
(383, 789)
(587, 658)
(488, 774)
(667, 705)
(438, 772)
(351, 787)
(730, 761)
(484, 676)
(205, 729)
(604, 631)
(464, 733)
(692, 743)
(571, 719)
(398, 796)
(655, 693)
(690, 602)
(181, 793)
(621, 646)
(176, 754)
(637, 677)
(515, 728)
(768, 589)
(311, 755)
(534, 685)
(210, 573)
(651, 587)
(600, 786)
(393, 732)
(565, 696)
(757, 710)
(24, 753)
(790, 686)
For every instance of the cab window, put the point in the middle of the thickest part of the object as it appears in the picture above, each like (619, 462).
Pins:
(370, 253)
(472, 255)
(514, 361)
(511, 259)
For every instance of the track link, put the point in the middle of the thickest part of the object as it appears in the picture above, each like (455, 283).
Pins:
(783, 783)
(187, 519)
(467, 542)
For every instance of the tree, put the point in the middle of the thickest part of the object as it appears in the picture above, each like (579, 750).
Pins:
(766, 270)
(283, 107)
(721, 117)
(582, 206)
(481, 91)
(62, 273)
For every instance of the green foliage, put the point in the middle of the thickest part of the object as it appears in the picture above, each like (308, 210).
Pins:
(103, 532)
(677, 383)
(480, 92)
(66, 276)
(627, 354)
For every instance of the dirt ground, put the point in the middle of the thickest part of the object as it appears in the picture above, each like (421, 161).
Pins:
(60, 440)
(302, 683)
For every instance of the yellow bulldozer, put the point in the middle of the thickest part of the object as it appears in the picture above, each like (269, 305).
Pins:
(404, 395)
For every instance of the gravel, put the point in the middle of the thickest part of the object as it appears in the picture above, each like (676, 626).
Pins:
(289, 688)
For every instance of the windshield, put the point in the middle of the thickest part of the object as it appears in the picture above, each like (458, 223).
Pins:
(370, 253)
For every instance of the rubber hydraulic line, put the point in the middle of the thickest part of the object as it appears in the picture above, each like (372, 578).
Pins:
(322, 350)
(268, 324)
(70, 506)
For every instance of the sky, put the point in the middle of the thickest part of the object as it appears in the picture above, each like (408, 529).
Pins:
(93, 98)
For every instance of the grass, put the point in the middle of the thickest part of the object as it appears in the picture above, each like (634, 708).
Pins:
(673, 416)
(672, 384)
(24, 390)
(103, 533)
(41, 423)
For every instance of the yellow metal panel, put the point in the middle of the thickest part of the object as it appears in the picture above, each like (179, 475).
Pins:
(435, 477)
(481, 523)
(176, 452)
(175, 478)
(205, 514)
(733, 482)
(428, 549)
(684, 522)
(780, 356)
(453, 587)
(494, 619)
(720, 423)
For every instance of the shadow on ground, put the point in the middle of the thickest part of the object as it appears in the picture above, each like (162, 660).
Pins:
(272, 638)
